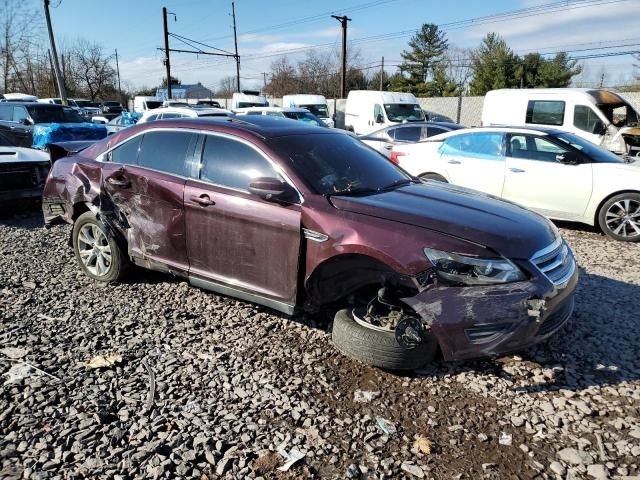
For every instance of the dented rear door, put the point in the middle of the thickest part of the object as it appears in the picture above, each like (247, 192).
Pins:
(144, 182)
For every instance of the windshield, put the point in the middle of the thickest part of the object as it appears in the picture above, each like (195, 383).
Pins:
(320, 110)
(620, 115)
(400, 112)
(83, 103)
(336, 163)
(591, 150)
(305, 117)
(55, 114)
(151, 104)
(111, 104)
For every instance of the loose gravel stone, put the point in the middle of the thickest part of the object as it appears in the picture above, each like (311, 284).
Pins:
(234, 382)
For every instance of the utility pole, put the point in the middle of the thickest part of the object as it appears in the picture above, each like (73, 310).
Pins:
(235, 41)
(264, 76)
(166, 51)
(343, 79)
(54, 54)
(382, 75)
(118, 72)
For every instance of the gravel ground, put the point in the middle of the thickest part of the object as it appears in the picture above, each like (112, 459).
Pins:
(203, 386)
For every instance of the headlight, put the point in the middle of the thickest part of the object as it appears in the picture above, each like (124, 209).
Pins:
(465, 270)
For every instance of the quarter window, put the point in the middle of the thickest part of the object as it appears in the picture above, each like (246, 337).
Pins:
(407, 134)
(483, 146)
(127, 153)
(233, 164)
(585, 118)
(166, 151)
(545, 112)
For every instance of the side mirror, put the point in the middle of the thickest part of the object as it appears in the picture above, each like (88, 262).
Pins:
(568, 158)
(379, 118)
(599, 128)
(272, 189)
(26, 121)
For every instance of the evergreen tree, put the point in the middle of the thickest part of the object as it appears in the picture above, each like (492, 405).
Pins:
(494, 66)
(428, 46)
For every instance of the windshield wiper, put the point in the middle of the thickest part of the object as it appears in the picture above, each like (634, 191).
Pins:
(353, 191)
(398, 183)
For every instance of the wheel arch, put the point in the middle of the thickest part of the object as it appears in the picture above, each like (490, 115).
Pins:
(340, 276)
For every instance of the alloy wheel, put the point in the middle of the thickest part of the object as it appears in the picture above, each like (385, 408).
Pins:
(94, 249)
(623, 218)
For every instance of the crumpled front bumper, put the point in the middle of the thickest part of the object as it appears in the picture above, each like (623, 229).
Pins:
(474, 322)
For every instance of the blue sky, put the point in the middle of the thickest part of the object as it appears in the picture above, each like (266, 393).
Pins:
(266, 28)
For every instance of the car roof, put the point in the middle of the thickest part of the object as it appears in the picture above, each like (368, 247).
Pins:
(499, 129)
(259, 125)
(39, 104)
(272, 109)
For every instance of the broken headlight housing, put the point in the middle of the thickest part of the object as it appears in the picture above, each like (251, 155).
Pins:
(463, 270)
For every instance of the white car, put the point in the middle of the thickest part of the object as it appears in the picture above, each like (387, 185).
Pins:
(22, 171)
(555, 173)
(164, 113)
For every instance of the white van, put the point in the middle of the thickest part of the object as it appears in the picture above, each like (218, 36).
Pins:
(369, 110)
(248, 98)
(316, 104)
(601, 116)
(142, 104)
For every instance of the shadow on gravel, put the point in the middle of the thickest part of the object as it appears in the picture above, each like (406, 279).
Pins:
(26, 214)
(580, 227)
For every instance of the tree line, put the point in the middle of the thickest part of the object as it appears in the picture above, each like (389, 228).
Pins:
(430, 67)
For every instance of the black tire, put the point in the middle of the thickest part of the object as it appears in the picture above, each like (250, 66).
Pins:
(119, 263)
(611, 208)
(380, 349)
(433, 176)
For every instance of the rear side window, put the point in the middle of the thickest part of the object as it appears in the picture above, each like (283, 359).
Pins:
(166, 151)
(233, 164)
(483, 146)
(127, 153)
(545, 112)
(530, 147)
(5, 112)
(585, 118)
(432, 131)
(407, 134)
(151, 118)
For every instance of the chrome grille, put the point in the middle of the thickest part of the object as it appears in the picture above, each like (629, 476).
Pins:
(556, 262)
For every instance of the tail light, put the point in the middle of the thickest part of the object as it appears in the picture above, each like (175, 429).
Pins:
(394, 157)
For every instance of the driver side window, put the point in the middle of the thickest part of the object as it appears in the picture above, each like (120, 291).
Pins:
(377, 111)
(585, 118)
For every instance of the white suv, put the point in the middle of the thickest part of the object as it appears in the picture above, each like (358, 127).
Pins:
(555, 173)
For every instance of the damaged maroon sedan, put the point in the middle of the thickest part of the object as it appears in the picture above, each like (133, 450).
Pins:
(296, 217)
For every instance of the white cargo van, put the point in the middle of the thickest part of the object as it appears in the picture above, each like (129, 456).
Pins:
(316, 104)
(601, 116)
(248, 98)
(369, 110)
(141, 103)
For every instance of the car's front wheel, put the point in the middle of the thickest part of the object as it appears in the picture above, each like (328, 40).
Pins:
(97, 252)
(378, 346)
(619, 217)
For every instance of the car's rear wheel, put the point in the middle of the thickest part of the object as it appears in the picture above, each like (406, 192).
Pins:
(433, 176)
(619, 217)
(97, 252)
(377, 346)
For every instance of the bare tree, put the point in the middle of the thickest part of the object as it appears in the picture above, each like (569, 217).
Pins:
(18, 28)
(227, 87)
(283, 78)
(91, 69)
(458, 66)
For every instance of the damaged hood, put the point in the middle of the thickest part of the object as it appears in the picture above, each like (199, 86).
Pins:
(21, 154)
(504, 227)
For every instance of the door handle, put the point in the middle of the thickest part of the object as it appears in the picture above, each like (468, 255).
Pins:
(517, 170)
(203, 200)
(119, 182)
(454, 162)
(388, 147)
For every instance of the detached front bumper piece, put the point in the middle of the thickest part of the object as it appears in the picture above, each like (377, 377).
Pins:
(473, 322)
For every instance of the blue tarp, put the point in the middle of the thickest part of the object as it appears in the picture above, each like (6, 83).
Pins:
(130, 118)
(46, 133)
